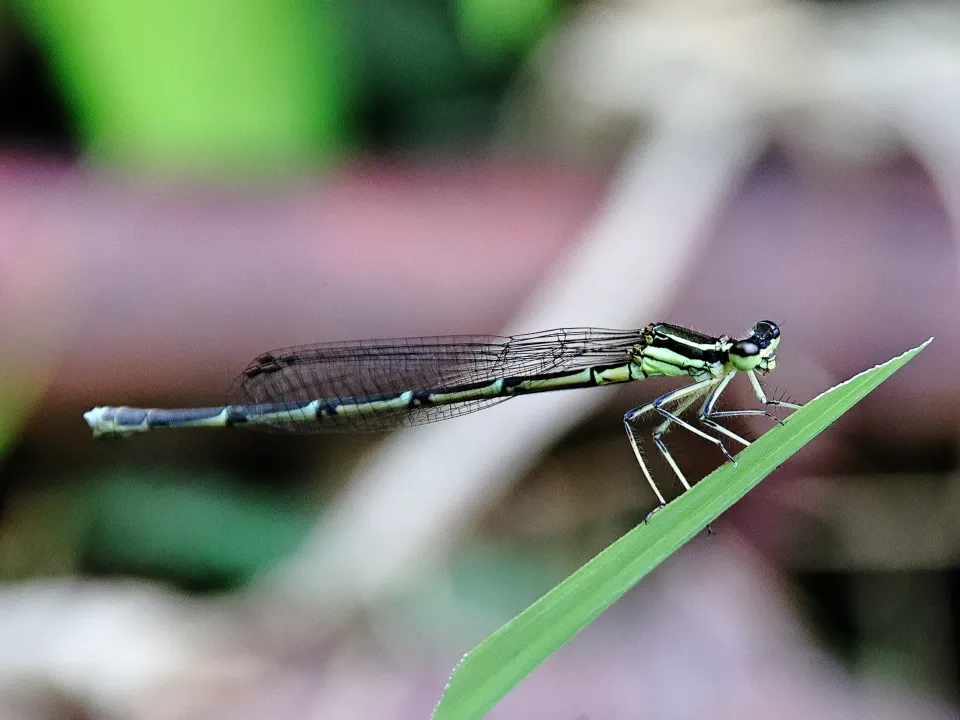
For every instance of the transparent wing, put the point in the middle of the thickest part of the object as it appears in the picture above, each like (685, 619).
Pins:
(378, 369)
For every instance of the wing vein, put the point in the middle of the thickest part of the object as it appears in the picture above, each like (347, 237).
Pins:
(342, 372)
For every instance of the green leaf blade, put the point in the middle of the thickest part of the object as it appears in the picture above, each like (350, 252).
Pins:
(489, 671)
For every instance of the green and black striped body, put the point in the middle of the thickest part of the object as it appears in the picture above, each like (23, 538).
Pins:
(384, 384)
(376, 385)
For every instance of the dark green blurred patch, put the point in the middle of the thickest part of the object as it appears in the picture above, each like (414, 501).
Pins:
(493, 32)
(196, 533)
(888, 624)
(431, 73)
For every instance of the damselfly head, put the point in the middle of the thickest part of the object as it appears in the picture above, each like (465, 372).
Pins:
(759, 350)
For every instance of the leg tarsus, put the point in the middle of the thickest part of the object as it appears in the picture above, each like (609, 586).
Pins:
(650, 514)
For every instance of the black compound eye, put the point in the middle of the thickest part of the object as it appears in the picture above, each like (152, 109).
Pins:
(766, 327)
(745, 348)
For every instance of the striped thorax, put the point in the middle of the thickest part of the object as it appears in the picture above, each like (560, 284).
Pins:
(674, 351)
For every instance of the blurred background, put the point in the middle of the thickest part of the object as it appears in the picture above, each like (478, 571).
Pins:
(186, 184)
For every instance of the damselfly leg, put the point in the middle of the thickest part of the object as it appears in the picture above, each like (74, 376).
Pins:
(671, 407)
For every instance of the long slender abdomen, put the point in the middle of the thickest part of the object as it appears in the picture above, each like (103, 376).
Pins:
(349, 413)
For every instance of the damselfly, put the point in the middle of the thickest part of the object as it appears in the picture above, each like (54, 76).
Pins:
(384, 384)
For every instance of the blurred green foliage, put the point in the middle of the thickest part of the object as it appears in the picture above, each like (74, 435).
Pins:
(200, 532)
(242, 81)
(260, 84)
